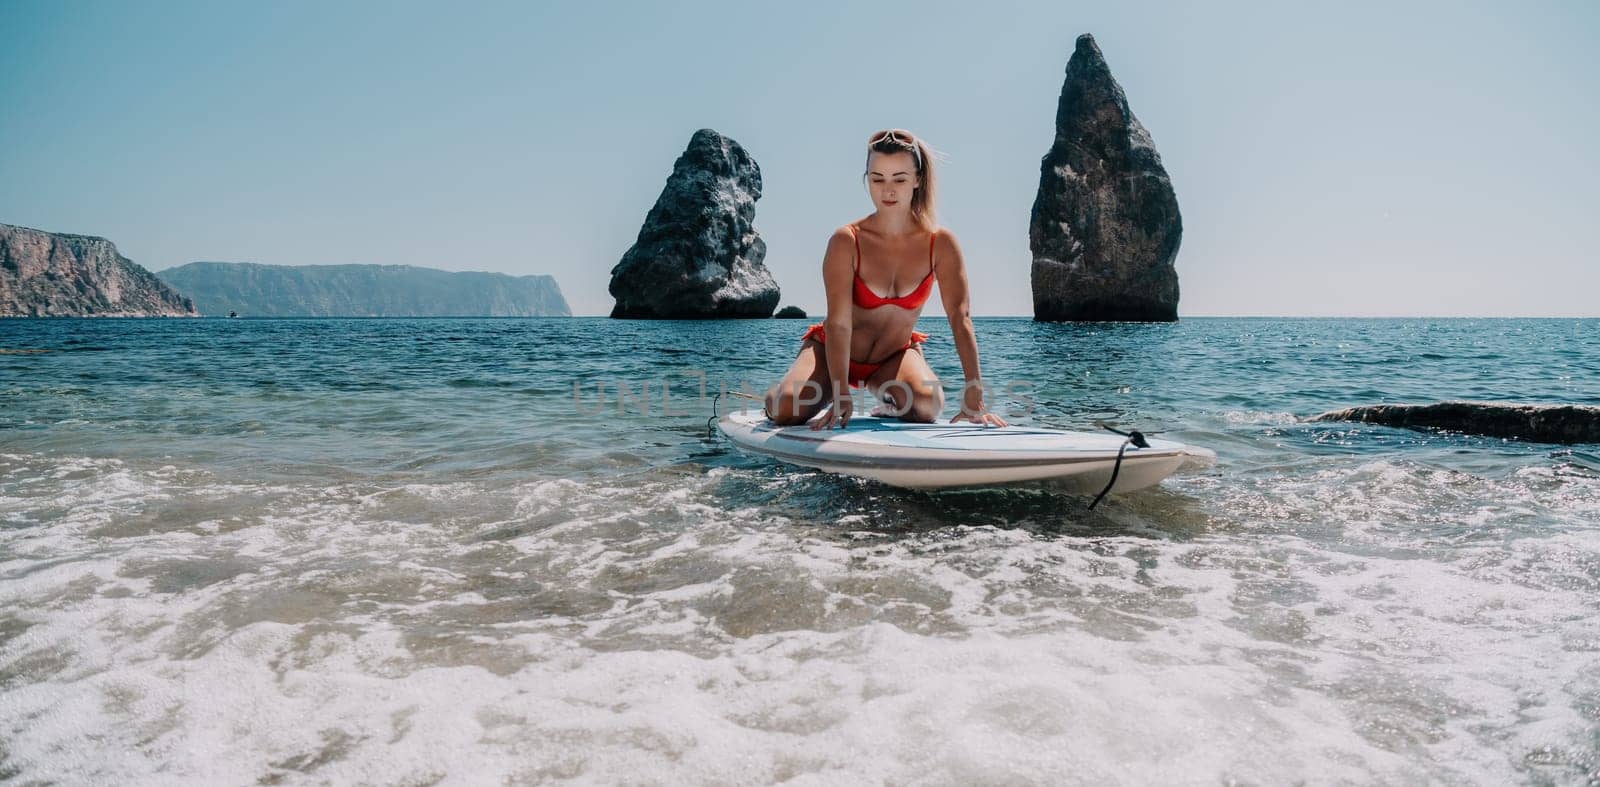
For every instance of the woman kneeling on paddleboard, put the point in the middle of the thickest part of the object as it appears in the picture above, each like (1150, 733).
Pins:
(898, 247)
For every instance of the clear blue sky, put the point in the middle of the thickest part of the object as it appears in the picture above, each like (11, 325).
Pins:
(1432, 158)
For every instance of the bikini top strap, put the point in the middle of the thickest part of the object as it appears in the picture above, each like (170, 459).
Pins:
(857, 239)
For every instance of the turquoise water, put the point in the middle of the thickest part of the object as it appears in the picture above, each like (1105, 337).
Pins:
(234, 550)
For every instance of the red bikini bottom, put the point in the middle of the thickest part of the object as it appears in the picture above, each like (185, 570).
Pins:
(859, 372)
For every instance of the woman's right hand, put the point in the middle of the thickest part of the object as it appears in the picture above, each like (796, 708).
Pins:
(836, 413)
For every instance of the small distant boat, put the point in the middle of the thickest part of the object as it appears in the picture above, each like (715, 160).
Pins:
(941, 455)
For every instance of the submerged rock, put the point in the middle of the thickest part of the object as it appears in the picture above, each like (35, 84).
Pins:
(1105, 227)
(698, 254)
(52, 274)
(1537, 423)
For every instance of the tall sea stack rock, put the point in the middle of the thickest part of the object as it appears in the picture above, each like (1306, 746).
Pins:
(48, 274)
(1105, 226)
(698, 254)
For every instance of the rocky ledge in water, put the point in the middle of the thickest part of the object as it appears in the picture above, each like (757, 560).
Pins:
(1536, 423)
(1105, 227)
(698, 254)
(51, 274)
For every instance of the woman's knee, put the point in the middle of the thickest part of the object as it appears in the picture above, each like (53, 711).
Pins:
(786, 413)
(924, 410)
(792, 404)
(919, 402)
(926, 403)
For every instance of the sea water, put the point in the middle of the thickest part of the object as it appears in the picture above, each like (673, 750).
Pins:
(442, 551)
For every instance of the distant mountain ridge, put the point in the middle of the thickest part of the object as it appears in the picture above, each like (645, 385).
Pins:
(56, 274)
(259, 290)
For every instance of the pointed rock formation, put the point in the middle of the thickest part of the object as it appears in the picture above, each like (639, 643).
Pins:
(1105, 226)
(48, 274)
(698, 254)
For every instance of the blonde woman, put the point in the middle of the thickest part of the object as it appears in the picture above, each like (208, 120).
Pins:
(869, 339)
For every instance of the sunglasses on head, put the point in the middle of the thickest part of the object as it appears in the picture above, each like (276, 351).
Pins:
(891, 136)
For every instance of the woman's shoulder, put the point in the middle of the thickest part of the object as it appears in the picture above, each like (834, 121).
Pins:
(842, 243)
(944, 245)
(845, 234)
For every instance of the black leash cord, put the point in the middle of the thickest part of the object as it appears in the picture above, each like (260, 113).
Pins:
(1136, 439)
(711, 430)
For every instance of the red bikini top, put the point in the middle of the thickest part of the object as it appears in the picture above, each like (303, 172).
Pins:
(867, 299)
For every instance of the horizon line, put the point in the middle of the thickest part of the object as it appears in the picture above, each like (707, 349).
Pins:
(710, 319)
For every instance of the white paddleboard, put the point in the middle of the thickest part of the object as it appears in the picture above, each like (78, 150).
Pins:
(939, 455)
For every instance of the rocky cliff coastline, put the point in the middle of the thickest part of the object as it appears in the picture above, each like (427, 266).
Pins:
(53, 274)
(257, 290)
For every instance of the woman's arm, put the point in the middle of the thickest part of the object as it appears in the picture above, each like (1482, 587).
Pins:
(950, 269)
(838, 277)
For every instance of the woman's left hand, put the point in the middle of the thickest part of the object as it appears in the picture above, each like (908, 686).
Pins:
(985, 418)
(972, 409)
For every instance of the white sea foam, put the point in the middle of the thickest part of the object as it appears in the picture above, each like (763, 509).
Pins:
(1256, 417)
(1340, 624)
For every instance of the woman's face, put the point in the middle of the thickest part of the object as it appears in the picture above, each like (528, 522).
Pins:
(891, 178)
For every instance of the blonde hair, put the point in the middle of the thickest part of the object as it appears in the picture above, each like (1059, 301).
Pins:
(899, 140)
